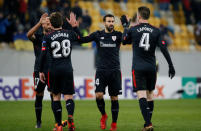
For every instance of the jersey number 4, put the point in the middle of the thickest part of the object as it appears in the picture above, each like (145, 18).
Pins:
(144, 42)
(65, 45)
(97, 82)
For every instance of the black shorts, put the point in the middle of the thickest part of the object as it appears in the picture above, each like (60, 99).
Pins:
(39, 86)
(112, 79)
(61, 82)
(143, 80)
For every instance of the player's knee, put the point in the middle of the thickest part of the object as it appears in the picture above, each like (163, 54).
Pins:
(39, 93)
(150, 97)
(57, 97)
(99, 95)
(141, 94)
(68, 97)
(113, 98)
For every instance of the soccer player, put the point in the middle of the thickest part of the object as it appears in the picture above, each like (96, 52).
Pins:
(108, 72)
(60, 76)
(39, 86)
(145, 38)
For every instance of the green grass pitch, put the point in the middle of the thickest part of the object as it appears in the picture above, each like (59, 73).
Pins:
(169, 115)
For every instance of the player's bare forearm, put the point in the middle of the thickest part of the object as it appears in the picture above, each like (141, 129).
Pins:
(30, 33)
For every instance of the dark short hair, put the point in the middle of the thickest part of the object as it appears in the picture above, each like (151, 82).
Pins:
(144, 12)
(108, 15)
(56, 19)
(134, 19)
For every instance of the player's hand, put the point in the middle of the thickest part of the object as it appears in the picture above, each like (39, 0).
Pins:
(171, 71)
(42, 77)
(72, 21)
(42, 18)
(125, 21)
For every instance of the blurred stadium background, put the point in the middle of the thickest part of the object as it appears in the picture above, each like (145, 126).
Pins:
(179, 20)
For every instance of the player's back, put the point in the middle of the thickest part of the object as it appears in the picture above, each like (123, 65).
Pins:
(59, 46)
(144, 39)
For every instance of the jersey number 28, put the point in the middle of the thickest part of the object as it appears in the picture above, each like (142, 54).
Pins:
(65, 45)
(144, 42)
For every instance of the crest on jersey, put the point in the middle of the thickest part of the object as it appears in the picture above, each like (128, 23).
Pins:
(102, 38)
(114, 38)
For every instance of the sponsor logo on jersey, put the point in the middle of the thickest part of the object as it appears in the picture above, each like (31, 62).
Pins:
(107, 44)
(102, 38)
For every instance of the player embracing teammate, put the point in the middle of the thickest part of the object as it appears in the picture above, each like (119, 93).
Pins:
(58, 44)
(39, 86)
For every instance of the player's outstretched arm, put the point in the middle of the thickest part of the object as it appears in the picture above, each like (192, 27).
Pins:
(166, 54)
(86, 39)
(30, 33)
(72, 21)
(125, 21)
(126, 38)
(75, 24)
